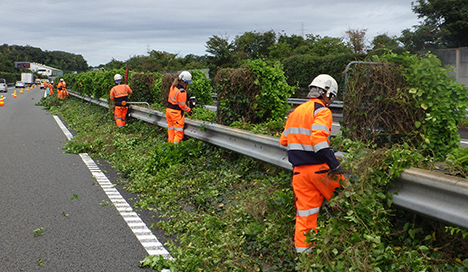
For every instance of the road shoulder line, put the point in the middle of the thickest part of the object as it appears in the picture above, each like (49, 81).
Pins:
(138, 227)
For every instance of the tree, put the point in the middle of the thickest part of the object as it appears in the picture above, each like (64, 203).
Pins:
(57, 59)
(329, 46)
(448, 18)
(280, 50)
(293, 41)
(383, 43)
(253, 45)
(424, 38)
(356, 39)
(222, 51)
(114, 64)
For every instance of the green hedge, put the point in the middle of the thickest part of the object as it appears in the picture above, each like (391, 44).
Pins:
(254, 93)
(147, 87)
(300, 70)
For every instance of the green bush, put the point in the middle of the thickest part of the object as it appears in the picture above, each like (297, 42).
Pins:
(95, 83)
(254, 93)
(300, 70)
(145, 87)
(442, 99)
(201, 88)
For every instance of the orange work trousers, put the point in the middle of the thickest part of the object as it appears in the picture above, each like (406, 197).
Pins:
(63, 94)
(311, 185)
(120, 115)
(175, 125)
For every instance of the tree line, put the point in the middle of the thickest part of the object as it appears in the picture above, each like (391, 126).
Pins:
(441, 26)
(68, 62)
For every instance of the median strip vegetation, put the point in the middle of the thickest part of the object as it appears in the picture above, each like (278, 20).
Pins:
(229, 212)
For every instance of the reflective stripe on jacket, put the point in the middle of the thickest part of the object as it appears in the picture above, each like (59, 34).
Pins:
(177, 99)
(120, 93)
(306, 135)
(61, 85)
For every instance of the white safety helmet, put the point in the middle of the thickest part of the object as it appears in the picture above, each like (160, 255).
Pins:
(327, 83)
(61, 79)
(117, 77)
(186, 76)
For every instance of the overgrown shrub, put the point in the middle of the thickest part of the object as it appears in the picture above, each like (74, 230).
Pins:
(94, 83)
(378, 107)
(145, 87)
(442, 99)
(236, 91)
(254, 93)
(166, 82)
(201, 88)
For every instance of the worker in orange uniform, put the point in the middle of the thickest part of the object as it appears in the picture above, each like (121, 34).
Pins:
(62, 89)
(51, 87)
(48, 88)
(317, 172)
(176, 106)
(119, 94)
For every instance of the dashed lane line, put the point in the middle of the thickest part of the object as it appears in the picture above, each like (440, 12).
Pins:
(134, 222)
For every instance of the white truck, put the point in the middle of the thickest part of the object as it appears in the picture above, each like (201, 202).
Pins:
(27, 78)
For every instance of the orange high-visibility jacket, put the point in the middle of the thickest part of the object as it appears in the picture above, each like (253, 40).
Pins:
(177, 99)
(62, 85)
(119, 94)
(306, 135)
(51, 88)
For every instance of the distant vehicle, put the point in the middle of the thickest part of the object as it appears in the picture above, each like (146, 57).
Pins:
(3, 85)
(44, 81)
(20, 84)
(27, 78)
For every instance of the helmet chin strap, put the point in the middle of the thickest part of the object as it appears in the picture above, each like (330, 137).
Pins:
(326, 104)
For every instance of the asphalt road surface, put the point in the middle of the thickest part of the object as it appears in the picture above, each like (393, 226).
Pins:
(55, 216)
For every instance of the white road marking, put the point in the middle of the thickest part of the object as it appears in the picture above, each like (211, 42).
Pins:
(63, 128)
(134, 222)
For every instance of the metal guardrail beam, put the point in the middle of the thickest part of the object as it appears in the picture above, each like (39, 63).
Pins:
(298, 101)
(432, 194)
(436, 195)
(262, 147)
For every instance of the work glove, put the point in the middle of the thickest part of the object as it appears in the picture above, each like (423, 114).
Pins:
(336, 171)
(192, 103)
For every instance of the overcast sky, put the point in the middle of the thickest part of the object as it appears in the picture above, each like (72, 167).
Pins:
(101, 30)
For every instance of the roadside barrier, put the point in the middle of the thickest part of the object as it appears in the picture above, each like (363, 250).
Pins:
(429, 193)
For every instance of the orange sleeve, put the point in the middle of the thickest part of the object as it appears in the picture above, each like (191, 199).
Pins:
(321, 129)
(284, 138)
(112, 94)
(182, 99)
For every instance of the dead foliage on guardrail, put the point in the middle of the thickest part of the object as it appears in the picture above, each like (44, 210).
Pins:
(166, 82)
(236, 93)
(378, 107)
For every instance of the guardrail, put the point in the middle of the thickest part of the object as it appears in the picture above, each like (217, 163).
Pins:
(431, 194)
(298, 101)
